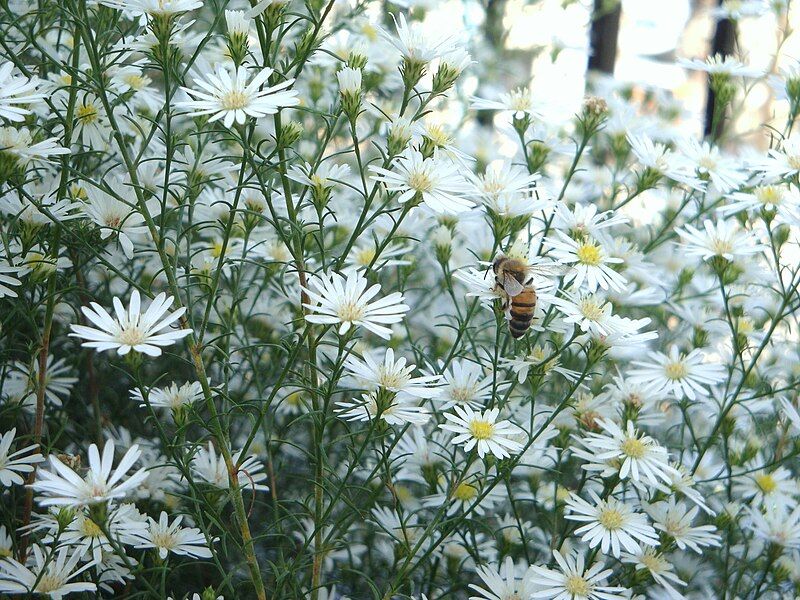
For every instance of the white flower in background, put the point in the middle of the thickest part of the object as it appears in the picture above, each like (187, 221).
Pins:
(87, 537)
(663, 161)
(136, 8)
(131, 329)
(482, 430)
(337, 300)
(64, 487)
(14, 464)
(781, 162)
(721, 65)
(8, 279)
(19, 143)
(720, 238)
(324, 176)
(573, 581)
(398, 410)
(58, 380)
(775, 525)
(582, 221)
(589, 263)
(466, 384)
(627, 452)
(168, 538)
(16, 91)
(592, 314)
(228, 95)
(436, 181)
(392, 375)
(45, 575)
(780, 198)
(211, 468)
(675, 520)
(660, 569)
(708, 162)
(172, 397)
(502, 583)
(610, 524)
(115, 216)
(676, 374)
(519, 102)
(414, 43)
(765, 487)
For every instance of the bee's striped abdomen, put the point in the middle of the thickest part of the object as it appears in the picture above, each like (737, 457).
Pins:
(521, 312)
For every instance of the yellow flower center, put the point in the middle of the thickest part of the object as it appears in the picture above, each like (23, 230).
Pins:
(769, 194)
(481, 430)
(634, 448)
(611, 519)
(766, 483)
(591, 309)
(364, 256)
(136, 81)
(589, 254)
(162, 539)
(86, 113)
(49, 583)
(675, 370)
(465, 492)
(575, 585)
(90, 529)
(420, 182)
(132, 336)
(234, 100)
(350, 311)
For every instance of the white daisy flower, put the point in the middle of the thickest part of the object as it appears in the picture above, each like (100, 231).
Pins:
(589, 263)
(64, 487)
(676, 374)
(19, 143)
(114, 216)
(414, 43)
(172, 397)
(676, 521)
(661, 160)
(518, 101)
(347, 302)
(706, 159)
(483, 431)
(392, 375)
(781, 199)
(168, 538)
(210, 467)
(628, 453)
(466, 384)
(15, 92)
(720, 238)
(776, 525)
(397, 410)
(764, 487)
(228, 95)
(503, 582)
(720, 64)
(660, 569)
(131, 329)
(46, 574)
(436, 181)
(610, 524)
(573, 581)
(781, 162)
(13, 464)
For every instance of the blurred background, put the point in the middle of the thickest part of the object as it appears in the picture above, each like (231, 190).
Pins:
(546, 45)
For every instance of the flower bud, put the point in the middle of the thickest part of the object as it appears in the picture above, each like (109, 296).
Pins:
(289, 134)
(350, 92)
(238, 24)
(399, 136)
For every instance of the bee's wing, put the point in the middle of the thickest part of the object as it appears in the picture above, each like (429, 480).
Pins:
(547, 270)
(511, 286)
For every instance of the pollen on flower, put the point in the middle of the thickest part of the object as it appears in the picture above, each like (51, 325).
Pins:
(611, 519)
(90, 529)
(420, 181)
(577, 587)
(676, 370)
(86, 113)
(634, 448)
(766, 483)
(234, 100)
(465, 492)
(591, 308)
(589, 253)
(481, 430)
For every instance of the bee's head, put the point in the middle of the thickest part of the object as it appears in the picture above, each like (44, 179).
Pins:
(498, 261)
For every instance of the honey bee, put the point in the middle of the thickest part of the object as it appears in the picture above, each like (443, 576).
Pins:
(514, 279)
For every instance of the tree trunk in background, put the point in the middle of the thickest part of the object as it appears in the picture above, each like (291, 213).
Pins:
(603, 37)
(724, 43)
